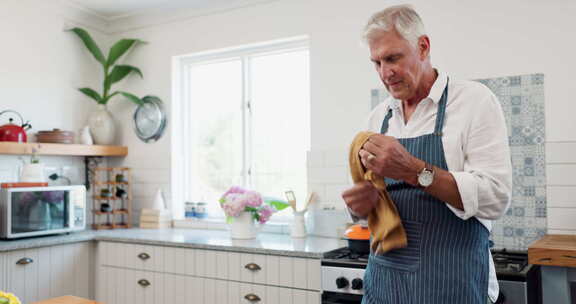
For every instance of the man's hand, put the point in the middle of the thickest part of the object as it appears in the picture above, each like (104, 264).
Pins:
(385, 156)
(361, 198)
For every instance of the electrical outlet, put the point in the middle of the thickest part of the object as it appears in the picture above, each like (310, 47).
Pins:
(73, 173)
(327, 206)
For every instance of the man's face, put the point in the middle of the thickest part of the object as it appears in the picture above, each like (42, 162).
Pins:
(398, 62)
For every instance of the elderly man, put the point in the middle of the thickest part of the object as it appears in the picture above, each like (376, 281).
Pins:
(443, 151)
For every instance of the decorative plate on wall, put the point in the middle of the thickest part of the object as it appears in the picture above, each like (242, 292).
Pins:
(150, 119)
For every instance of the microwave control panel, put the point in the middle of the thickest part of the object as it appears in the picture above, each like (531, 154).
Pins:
(78, 204)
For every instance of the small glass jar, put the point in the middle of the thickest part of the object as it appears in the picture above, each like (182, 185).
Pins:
(190, 210)
(201, 211)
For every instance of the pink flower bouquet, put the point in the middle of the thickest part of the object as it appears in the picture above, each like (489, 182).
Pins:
(237, 200)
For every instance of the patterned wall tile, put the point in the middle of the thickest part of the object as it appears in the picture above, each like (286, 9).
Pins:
(522, 100)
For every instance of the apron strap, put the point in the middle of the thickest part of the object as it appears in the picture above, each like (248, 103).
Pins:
(384, 127)
(441, 111)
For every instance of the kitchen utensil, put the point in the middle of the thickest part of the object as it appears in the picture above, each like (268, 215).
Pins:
(309, 199)
(12, 132)
(55, 136)
(291, 199)
(358, 237)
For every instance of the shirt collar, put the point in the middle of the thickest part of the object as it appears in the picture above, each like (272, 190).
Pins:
(438, 87)
(435, 92)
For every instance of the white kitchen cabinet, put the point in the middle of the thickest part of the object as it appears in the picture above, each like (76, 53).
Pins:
(42, 273)
(201, 276)
(2, 271)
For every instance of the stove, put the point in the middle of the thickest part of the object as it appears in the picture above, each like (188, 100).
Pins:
(519, 281)
(343, 274)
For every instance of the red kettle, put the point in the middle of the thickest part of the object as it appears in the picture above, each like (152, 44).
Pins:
(12, 132)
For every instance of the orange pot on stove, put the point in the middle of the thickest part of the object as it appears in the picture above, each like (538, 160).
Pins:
(358, 237)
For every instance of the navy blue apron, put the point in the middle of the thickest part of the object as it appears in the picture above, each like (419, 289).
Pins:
(446, 260)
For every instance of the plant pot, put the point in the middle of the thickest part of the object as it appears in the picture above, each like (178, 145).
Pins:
(102, 126)
(243, 227)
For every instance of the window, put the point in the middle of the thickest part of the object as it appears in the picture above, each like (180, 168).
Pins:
(243, 119)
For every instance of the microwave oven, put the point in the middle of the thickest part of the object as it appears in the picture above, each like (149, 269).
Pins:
(34, 211)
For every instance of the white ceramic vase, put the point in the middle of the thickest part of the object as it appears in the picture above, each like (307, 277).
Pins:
(243, 227)
(85, 137)
(102, 126)
(298, 227)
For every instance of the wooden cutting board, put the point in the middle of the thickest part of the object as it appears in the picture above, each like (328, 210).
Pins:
(67, 300)
(553, 250)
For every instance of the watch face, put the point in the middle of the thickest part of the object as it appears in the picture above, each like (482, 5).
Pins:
(425, 178)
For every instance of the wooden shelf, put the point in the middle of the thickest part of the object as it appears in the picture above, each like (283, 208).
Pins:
(16, 148)
(106, 198)
(110, 226)
(118, 211)
(110, 183)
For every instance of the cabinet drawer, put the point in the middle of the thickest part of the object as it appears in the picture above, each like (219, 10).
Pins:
(125, 286)
(258, 294)
(274, 270)
(134, 256)
(147, 257)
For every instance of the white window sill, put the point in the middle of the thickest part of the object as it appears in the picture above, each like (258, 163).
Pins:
(218, 224)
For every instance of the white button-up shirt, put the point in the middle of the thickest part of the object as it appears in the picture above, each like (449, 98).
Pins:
(475, 143)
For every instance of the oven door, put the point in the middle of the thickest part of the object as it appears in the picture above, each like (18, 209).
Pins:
(329, 297)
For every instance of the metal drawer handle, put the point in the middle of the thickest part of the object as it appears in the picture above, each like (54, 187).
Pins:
(252, 267)
(570, 256)
(144, 256)
(545, 259)
(24, 261)
(252, 297)
(144, 283)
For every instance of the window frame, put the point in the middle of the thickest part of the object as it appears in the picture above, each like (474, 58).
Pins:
(181, 125)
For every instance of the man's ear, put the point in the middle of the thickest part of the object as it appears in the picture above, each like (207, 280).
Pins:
(424, 47)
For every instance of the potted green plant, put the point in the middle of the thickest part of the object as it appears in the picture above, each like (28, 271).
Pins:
(101, 122)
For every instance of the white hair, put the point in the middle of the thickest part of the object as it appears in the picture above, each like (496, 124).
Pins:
(403, 18)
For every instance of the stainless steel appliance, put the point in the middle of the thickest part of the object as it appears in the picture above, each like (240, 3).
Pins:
(343, 273)
(520, 282)
(34, 211)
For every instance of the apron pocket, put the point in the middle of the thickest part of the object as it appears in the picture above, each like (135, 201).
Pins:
(405, 259)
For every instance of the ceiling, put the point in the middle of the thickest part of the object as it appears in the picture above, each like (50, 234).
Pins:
(111, 9)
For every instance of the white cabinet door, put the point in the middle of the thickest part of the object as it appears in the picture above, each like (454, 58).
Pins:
(42, 273)
(22, 274)
(3, 271)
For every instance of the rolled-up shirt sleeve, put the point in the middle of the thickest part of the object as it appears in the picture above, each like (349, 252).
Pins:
(485, 183)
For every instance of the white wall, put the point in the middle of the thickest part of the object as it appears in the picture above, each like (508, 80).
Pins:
(41, 66)
(469, 40)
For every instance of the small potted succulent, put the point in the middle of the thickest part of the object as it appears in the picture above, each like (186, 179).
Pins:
(243, 208)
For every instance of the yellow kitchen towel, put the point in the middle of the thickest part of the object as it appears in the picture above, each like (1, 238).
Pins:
(384, 222)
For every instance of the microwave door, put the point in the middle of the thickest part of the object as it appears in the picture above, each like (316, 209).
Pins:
(38, 212)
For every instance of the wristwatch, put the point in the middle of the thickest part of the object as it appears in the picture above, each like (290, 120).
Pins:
(426, 176)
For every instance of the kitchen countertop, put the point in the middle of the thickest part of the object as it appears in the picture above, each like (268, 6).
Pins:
(553, 250)
(265, 243)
